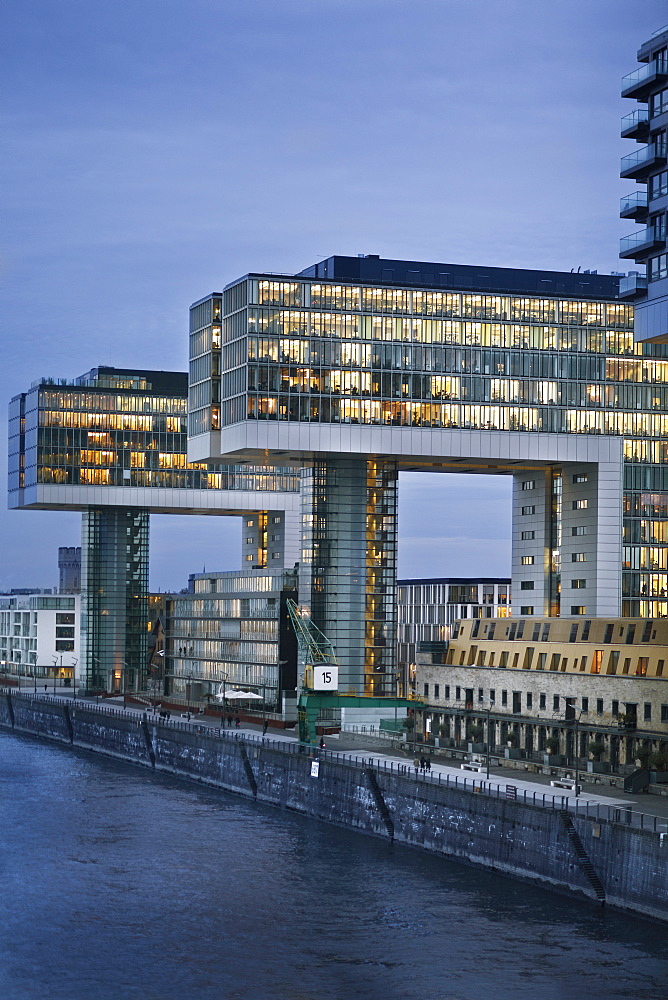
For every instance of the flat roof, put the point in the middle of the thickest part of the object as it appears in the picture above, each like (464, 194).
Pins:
(456, 580)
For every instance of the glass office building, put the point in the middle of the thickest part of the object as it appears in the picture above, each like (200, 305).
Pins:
(427, 366)
(112, 444)
(231, 630)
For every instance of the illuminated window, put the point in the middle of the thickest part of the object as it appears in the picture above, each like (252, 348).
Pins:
(578, 584)
(527, 560)
(578, 609)
(578, 557)
(580, 504)
(529, 484)
(581, 477)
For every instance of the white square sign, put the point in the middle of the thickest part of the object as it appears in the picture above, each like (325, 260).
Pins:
(325, 677)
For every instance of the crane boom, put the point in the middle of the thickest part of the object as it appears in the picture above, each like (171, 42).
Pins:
(314, 644)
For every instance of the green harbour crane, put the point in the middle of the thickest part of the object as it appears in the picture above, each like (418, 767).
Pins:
(320, 678)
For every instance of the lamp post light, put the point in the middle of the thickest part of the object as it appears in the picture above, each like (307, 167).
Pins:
(75, 662)
(55, 668)
(487, 712)
(576, 720)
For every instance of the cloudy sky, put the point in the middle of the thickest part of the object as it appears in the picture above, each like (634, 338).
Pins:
(157, 149)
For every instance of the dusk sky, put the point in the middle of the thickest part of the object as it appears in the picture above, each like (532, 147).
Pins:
(157, 149)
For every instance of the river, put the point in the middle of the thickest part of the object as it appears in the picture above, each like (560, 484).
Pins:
(120, 884)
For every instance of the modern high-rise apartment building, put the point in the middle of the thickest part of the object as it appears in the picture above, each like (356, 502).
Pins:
(648, 203)
(39, 637)
(358, 367)
(112, 444)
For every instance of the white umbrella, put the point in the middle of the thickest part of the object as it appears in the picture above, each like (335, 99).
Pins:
(239, 696)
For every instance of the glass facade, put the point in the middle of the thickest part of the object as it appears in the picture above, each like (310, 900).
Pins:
(114, 606)
(346, 352)
(121, 434)
(231, 631)
(348, 568)
(123, 431)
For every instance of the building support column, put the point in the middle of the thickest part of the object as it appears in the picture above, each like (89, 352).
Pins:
(348, 567)
(114, 598)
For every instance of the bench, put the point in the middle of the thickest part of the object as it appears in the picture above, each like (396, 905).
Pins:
(472, 767)
(564, 783)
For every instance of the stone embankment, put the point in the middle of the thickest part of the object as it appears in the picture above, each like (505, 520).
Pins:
(601, 856)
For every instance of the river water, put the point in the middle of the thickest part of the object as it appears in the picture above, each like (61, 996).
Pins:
(118, 884)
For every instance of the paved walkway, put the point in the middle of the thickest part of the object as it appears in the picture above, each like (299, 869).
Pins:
(653, 805)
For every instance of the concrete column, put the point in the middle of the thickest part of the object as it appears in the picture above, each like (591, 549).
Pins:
(567, 531)
(348, 567)
(114, 598)
(270, 539)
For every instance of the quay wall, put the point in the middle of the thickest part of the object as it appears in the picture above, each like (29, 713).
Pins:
(602, 859)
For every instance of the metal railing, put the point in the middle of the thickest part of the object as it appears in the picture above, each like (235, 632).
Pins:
(478, 786)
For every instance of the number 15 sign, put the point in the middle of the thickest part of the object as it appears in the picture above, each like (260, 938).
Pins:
(325, 677)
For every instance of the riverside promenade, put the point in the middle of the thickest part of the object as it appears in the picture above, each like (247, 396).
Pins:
(644, 811)
(597, 846)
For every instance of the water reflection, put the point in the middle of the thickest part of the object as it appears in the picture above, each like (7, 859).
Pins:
(118, 883)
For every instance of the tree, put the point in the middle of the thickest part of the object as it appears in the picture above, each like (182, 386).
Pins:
(596, 748)
(659, 760)
(552, 744)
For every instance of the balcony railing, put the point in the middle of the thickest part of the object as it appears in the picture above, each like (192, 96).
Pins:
(641, 161)
(632, 286)
(635, 124)
(641, 242)
(639, 83)
(633, 205)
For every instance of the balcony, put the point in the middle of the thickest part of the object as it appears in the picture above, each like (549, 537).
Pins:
(639, 164)
(633, 286)
(634, 206)
(640, 83)
(641, 243)
(636, 125)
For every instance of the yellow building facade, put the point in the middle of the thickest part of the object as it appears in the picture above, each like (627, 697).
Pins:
(552, 684)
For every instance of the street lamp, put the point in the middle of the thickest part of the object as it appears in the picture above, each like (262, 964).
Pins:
(125, 683)
(75, 662)
(576, 720)
(487, 712)
(55, 667)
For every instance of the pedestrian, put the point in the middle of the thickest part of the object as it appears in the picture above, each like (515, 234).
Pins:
(428, 764)
(237, 721)
(423, 763)
(229, 721)
(322, 743)
(265, 727)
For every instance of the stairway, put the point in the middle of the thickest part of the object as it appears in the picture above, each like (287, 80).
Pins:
(582, 856)
(380, 801)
